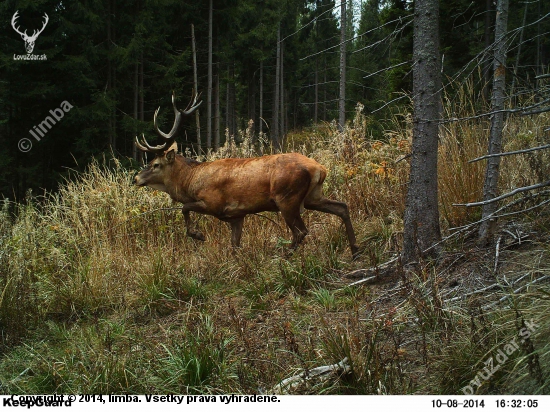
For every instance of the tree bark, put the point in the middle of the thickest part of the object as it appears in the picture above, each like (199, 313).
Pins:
(487, 64)
(316, 105)
(490, 187)
(217, 108)
(136, 98)
(232, 100)
(141, 89)
(109, 75)
(275, 123)
(209, 91)
(252, 97)
(282, 83)
(512, 98)
(342, 100)
(421, 220)
(261, 120)
(196, 83)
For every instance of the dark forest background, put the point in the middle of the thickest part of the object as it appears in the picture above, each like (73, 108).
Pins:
(115, 62)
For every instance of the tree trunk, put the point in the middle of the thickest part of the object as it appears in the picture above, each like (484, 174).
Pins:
(217, 108)
(136, 98)
(315, 106)
(232, 101)
(196, 83)
(113, 37)
(252, 98)
(325, 91)
(538, 67)
(490, 187)
(282, 83)
(109, 74)
(342, 100)
(487, 63)
(276, 103)
(113, 84)
(512, 98)
(261, 120)
(421, 220)
(141, 90)
(209, 91)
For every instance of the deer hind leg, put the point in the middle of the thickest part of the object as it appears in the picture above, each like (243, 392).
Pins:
(195, 234)
(322, 204)
(296, 224)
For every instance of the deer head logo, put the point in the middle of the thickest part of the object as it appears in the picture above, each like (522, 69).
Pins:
(29, 40)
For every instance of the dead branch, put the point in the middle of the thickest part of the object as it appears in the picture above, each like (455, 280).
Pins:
(315, 376)
(543, 110)
(504, 196)
(505, 297)
(497, 251)
(403, 158)
(358, 282)
(521, 110)
(474, 292)
(486, 288)
(532, 149)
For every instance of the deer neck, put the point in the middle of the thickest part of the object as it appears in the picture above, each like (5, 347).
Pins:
(179, 181)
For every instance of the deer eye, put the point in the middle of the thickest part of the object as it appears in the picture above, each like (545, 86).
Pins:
(156, 165)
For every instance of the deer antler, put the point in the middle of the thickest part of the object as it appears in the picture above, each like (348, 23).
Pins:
(193, 105)
(169, 138)
(14, 22)
(37, 32)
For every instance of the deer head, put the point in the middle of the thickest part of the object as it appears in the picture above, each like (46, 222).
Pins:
(159, 168)
(29, 40)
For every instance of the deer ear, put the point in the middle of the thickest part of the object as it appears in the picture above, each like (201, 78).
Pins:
(170, 156)
(174, 147)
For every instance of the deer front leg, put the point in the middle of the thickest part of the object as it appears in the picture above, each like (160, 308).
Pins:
(236, 231)
(195, 234)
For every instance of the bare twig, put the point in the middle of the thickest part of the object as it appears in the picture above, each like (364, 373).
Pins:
(543, 110)
(403, 158)
(497, 251)
(521, 110)
(489, 287)
(386, 69)
(358, 282)
(315, 376)
(502, 299)
(532, 149)
(504, 196)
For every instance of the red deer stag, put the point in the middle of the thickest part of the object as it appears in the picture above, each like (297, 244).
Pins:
(230, 189)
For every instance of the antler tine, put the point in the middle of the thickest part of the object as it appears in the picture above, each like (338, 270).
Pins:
(140, 146)
(14, 22)
(193, 105)
(46, 20)
(146, 147)
(170, 137)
